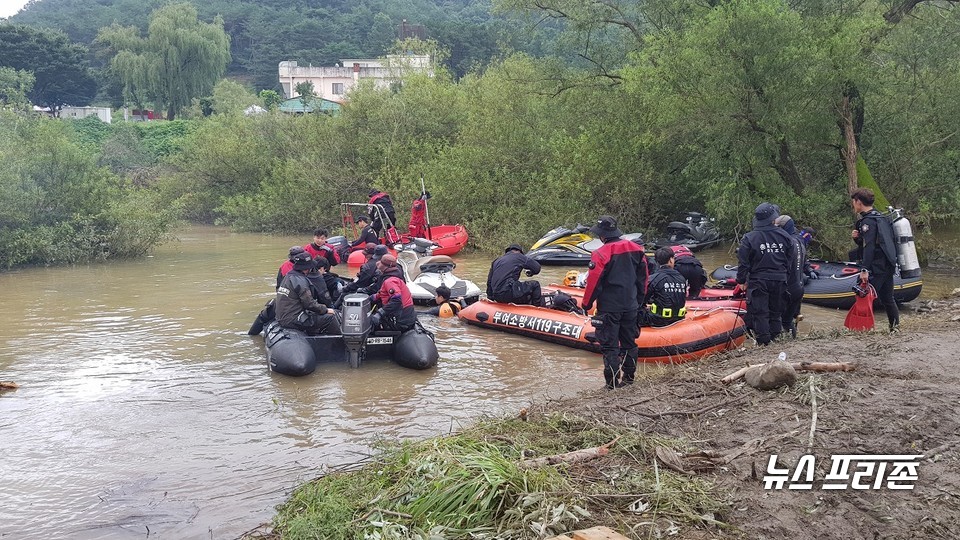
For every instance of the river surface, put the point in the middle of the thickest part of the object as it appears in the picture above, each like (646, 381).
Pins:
(145, 411)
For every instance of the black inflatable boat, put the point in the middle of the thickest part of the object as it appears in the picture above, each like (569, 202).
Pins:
(834, 288)
(294, 353)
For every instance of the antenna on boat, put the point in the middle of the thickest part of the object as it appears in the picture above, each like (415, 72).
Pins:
(426, 207)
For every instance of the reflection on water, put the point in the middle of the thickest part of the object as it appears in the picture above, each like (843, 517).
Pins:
(145, 407)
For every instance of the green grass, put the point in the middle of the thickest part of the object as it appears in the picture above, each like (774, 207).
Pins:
(474, 485)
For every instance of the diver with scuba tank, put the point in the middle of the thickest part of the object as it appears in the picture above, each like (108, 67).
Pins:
(876, 250)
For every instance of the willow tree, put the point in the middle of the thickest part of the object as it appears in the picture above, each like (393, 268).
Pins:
(181, 58)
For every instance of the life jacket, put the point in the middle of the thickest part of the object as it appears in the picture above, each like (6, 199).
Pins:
(449, 309)
(375, 196)
(571, 278)
(331, 256)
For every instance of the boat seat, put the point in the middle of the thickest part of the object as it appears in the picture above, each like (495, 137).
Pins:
(434, 263)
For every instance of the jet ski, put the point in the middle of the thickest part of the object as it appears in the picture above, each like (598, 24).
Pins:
(696, 231)
(425, 272)
(570, 247)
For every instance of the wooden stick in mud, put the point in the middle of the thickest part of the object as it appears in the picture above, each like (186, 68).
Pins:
(799, 366)
(813, 418)
(571, 457)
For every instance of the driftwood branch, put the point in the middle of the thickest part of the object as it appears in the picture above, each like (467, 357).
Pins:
(930, 454)
(697, 412)
(799, 366)
(813, 416)
(8, 385)
(571, 457)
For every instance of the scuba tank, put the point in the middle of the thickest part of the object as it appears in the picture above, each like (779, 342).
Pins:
(903, 238)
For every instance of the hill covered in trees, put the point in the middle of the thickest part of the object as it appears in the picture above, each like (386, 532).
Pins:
(265, 32)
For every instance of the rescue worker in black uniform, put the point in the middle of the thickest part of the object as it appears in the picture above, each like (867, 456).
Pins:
(383, 200)
(876, 251)
(690, 268)
(503, 281)
(799, 272)
(666, 296)
(764, 258)
(366, 275)
(367, 234)
(617, 282)
(296, 305)
(326, 285)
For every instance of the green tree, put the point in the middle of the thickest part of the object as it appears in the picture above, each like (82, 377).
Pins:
(180, 59)
(306, 92)
(271, 99)
(59, 67)
(15, 85)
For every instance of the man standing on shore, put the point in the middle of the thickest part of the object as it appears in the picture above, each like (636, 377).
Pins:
(764, 256)
(876, 250)
(617, 282)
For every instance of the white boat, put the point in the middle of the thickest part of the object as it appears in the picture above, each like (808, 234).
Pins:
(425, 274)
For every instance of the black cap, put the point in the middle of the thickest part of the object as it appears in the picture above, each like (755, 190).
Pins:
(379, 252)
(606, 227)
(294, 251)
(513, 247)
(373, 192)
(362, 217)
(302, 262)
(765, 214)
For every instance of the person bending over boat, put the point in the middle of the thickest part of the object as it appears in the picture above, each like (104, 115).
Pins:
(617, 282)
(876, 250)
(503, 280)
(690, 268)
(327, 285)
(764, 257)
(380, 198)
(296, 305)
(396, 304)
(367, 234)
(367, 273)
(320, 248)
(445, 307)
(666, 292)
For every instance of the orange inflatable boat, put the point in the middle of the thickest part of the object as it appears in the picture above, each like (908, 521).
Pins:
(708, 299)
(694, 337)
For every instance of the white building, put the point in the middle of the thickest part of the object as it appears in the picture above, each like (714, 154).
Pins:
(76, 113)
(332, 83)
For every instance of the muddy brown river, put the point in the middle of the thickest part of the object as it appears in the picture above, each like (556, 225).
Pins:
(145, 411)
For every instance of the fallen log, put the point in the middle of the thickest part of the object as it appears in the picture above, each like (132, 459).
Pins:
(571, 457)
(799, 366)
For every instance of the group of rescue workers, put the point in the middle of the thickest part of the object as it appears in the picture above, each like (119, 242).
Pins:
(629, 290)
(309, 294)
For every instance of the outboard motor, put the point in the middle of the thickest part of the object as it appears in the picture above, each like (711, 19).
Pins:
(903, 238)
(355, 326)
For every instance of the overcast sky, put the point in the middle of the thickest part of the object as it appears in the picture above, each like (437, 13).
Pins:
(9, 7)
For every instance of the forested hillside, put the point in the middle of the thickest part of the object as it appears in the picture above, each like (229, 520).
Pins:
(265, 32)
(638, 108)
